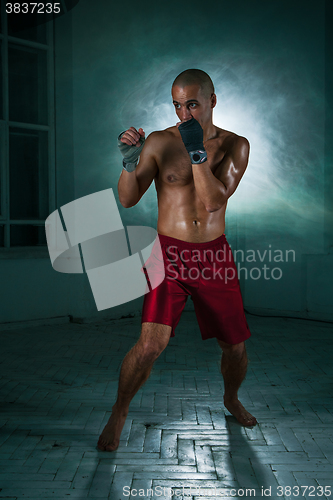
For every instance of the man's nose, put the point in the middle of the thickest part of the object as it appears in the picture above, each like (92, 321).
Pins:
(185, 114)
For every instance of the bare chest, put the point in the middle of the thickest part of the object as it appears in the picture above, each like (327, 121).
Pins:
(175, 168)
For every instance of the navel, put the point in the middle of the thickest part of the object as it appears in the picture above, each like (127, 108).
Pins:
(195, 222)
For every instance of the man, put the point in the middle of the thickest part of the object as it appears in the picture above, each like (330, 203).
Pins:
(196, 167)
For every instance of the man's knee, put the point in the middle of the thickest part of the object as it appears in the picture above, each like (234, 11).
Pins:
(153, 340)
(234, 351)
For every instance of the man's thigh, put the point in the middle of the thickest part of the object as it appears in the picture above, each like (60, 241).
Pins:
(164, 305)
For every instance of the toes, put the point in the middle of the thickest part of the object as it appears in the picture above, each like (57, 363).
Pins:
(102, 443)
(250, 421)
(242, 416)
(247, 420)
(111, 447)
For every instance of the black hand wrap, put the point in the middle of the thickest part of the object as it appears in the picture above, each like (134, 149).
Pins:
(192, 135)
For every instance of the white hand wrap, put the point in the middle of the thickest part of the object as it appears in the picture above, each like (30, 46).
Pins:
(130, 153)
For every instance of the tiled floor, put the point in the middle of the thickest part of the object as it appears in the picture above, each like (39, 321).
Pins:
(59, 383)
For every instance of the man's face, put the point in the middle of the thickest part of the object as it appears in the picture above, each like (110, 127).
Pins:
(189, 102)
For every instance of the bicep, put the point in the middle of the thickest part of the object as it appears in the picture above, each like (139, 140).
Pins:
(232, 168)
(147, 167)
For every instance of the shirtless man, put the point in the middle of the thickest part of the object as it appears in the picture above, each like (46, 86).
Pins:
(193, 190)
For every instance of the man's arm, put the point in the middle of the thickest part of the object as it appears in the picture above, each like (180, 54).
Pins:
(215, 189)
(133, 185)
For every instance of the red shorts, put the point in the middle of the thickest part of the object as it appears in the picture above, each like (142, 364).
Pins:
(206, 272)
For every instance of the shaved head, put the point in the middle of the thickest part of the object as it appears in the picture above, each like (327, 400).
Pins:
(195, 77)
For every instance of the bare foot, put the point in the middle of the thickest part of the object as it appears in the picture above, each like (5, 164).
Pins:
(109, 439)
(237, 410)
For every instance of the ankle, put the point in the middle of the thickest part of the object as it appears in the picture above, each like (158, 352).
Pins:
(120, 409)
(230, 398)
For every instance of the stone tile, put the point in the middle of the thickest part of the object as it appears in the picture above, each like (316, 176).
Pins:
(59, 384)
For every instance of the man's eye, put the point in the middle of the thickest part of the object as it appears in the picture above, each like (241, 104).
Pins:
(193, 104)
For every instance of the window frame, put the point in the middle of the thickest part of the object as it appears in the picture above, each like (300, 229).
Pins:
(5, 124)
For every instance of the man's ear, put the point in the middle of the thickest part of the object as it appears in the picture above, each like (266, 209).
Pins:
(213, 100)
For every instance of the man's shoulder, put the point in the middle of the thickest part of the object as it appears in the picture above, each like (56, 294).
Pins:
(160, 138)
(160, 135)
(231, 141)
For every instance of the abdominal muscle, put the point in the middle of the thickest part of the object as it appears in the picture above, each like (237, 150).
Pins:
(182, 215)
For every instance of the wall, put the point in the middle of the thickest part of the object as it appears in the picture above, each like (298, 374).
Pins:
(270, 65)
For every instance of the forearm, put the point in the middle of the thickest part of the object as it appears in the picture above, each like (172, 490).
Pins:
(211, 191)
(128, 189)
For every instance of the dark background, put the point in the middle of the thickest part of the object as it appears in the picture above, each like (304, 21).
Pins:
(114, 64)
